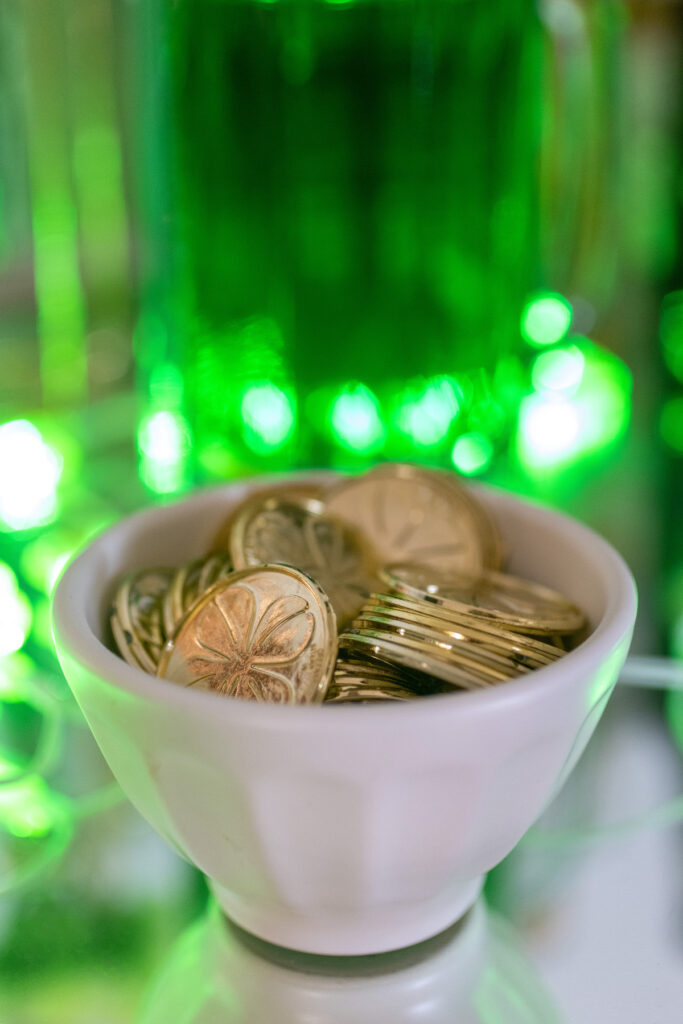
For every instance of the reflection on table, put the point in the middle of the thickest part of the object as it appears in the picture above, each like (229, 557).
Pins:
(473, 973)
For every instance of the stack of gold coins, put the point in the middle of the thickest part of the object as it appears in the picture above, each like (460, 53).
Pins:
(150, 604)
(367, 681)
(470, 633)
(384, 586)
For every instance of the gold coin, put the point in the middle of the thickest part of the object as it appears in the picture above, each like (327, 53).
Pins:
(126, 645)
(365, 664)
(188, 583)
(172, 603)
(493, 631)
(491, 540)
(211, 570)
(534, 653)
(352, 666)
(285, 489)
(486, 662)
(515, 603)
(299, 532)
(362, 690)
(438, 647)
(411, 654)
(412, 658)
(267, 634)
(146, 589)
(347, 667)
(460, 648)
(135, 616)
(411, 515)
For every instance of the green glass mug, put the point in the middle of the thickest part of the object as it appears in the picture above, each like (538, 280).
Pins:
(347, 206)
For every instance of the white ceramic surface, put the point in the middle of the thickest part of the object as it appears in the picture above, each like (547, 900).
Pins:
(218, 975)
(344, 829)
(476, 972)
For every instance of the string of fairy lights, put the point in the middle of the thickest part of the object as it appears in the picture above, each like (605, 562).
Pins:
(572, 399)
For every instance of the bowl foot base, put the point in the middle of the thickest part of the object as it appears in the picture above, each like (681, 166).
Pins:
(349, 933)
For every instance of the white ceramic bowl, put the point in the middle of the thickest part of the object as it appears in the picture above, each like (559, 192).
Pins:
(344, 829)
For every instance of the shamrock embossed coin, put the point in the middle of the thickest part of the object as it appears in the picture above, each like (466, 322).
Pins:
(297, 531)
(266, 634)
(410, 514)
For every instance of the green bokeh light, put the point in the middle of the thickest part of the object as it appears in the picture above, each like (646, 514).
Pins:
(15, 612)
(41, 628)
(165, 387)
(44, 558)
(546, 318)
(163, 445)
(487, 416)
(30, 470)
(10, 766)
(555, 428)
(677, 634)
(425, 413)
(560, 369)
(355, 419)
(671, 423)
(57, 278)
(17, 673)
(671, 333)
(674, 698)
(268, 415)
(472, 453)
(26, 807)
(673, 707)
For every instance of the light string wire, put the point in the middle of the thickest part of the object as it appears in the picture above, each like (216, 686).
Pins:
(41, 852)
(656, 673)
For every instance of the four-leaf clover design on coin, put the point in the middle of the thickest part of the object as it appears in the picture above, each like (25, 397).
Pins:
(411, 517)
(323, 547)
(246, 648)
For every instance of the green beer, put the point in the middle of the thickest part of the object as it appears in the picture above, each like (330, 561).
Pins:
(344, 221)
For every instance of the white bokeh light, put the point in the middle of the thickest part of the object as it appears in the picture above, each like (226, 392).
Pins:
(549, 430)
(29, 473)
(15, 612)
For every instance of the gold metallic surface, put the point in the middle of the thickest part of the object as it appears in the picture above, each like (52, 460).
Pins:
(299, 532)
(348, 667)
(415, 655)
(411, 515)
(489, 534)
(127, 647)
(403, 560)
(441, 646)
(493, 597)
(462, 650)
(283, 490)
(530, 651)
(187, 585)
(365, 691)
(356, 670)
(136, 616)
(172, 602)
(267, 634)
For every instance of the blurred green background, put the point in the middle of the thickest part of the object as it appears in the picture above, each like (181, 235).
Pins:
(243, 236)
